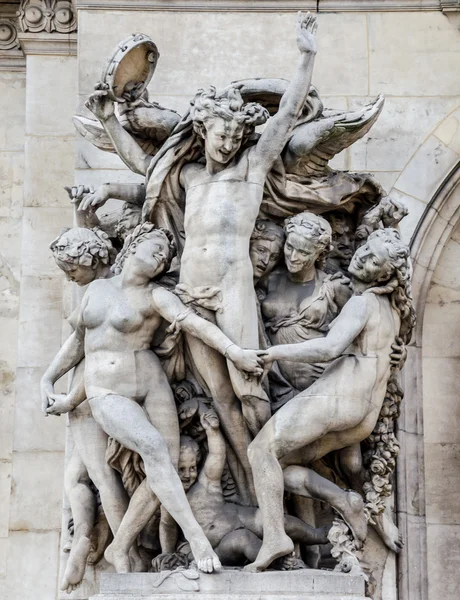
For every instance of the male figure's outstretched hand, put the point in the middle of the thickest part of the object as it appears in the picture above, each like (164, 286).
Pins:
(305, 29)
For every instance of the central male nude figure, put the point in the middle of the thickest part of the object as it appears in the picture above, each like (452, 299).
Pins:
(222, 201)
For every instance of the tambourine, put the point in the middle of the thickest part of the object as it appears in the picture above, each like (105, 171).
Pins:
(130, 67)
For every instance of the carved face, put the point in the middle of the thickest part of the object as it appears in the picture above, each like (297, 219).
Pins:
(300, 253)
(342, 239)
(264, 255)
(152, 254)
(79, 274)
(188, 470)
(370, 263)
(222, 139)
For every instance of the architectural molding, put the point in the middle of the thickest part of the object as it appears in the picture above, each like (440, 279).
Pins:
(36, 16)
(56, 44)
(12, 60)
(11, 56)
(271, 5)
(8, 34)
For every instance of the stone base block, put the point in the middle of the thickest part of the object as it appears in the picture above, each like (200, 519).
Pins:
(231, 584)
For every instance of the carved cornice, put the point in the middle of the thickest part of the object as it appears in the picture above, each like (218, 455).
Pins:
(55, 44)
(38, 16)
(272, 5)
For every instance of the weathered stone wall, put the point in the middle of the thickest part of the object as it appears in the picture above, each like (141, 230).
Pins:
(411, 57)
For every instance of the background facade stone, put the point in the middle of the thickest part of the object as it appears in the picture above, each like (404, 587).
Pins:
(411, 57)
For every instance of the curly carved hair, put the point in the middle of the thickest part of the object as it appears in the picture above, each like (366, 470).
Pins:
(143, 232)
(228, 105)
(314, 228)
(382, 446)
(83, 247)
(267, 230)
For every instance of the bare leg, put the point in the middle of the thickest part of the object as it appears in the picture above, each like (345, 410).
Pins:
(350, 505)
(268, 479)
(126, 421)
(91, 443)
(142, 507)
(213, 370)
(100, 539)
(239, 321)
(161, 410)
(388, 531)
(300, 423)
(301, 532)
(351, 461)
(297, 530)
(83, 505)
(237, 547)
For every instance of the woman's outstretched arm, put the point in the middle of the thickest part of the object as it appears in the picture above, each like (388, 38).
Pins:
(346, 328)
(279, 127)
(171, 308)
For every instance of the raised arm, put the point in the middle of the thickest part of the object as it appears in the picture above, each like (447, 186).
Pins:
(102, 106)
(279, 127)
(171, 308)
(211, 473)
(346, 328)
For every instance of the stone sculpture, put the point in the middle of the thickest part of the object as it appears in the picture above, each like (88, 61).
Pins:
(251, 342)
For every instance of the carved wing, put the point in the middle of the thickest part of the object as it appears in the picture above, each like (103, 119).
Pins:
(312, 145)
(93, 131)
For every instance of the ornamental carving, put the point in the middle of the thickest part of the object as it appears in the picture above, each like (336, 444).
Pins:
(37, 16)
(8, 35)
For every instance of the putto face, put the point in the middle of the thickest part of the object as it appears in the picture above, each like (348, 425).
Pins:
(264, 255)
(79, 274)
(152, 254)
(370, 262)
(300, 253)
(223, 139)
(187, 468)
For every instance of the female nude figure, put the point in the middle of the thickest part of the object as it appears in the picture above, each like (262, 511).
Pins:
(85, 255)
(342, 407)
(127, 390)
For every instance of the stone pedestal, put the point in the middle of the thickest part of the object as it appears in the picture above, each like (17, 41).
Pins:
(231, 584)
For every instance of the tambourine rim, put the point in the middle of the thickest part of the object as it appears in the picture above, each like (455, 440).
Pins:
(119, 54)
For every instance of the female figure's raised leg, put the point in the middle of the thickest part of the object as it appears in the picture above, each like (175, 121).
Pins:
(127, 422)
(298, 424)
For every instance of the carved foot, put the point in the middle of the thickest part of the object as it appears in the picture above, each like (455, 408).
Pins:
(117, 558)
(389, 533)
(352, 512)
(269, 552)
(205, 557)
(76, 565)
